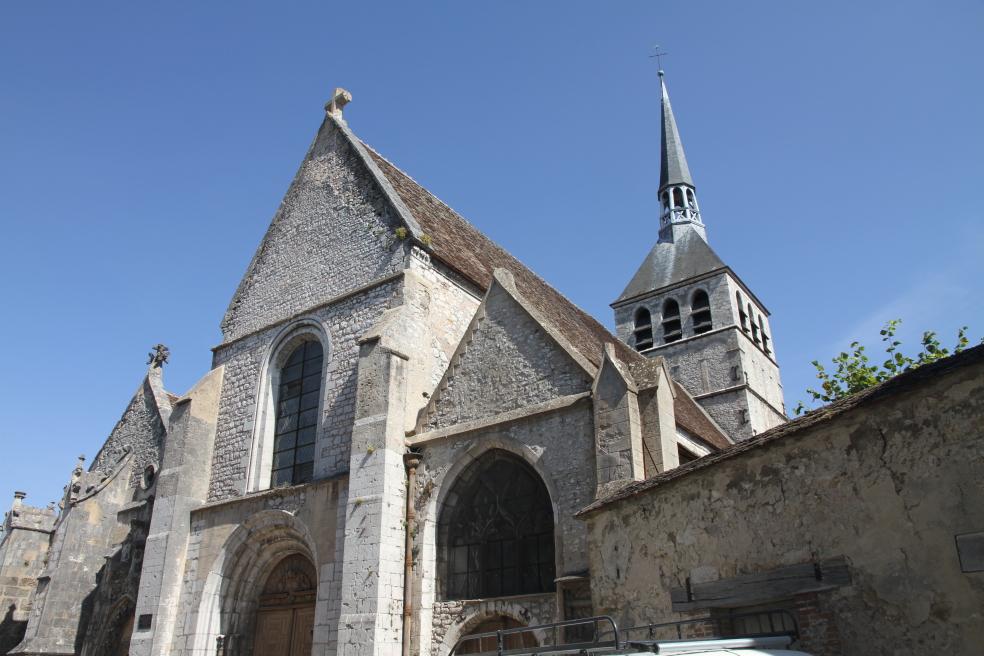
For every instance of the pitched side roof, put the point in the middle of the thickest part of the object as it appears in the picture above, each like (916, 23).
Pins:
(687, 412)
(691, 416)
(461, 246)
(672, 262)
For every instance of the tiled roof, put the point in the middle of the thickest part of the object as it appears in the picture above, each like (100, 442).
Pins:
(461, 246)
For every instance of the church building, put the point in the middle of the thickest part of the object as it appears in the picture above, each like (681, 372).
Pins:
(399, 428)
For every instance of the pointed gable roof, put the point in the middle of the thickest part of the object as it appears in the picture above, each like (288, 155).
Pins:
(461, 246)
(465, 249)
(673, 262)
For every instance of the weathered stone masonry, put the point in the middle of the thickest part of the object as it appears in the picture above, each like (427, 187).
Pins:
(885, 480)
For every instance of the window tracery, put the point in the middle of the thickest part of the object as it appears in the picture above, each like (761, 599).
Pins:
(498, 536)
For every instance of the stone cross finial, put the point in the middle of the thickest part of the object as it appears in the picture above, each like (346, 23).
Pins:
(158, 356)
(339, 99)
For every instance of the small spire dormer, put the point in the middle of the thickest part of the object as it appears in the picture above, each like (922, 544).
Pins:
(677, 193)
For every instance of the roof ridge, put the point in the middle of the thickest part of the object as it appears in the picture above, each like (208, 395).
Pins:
(431, 194)
(506, 255)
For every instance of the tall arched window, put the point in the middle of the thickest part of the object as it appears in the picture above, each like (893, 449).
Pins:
(765, 337)
(643, 330)
(755, 328)
(742, 315)
(700, 309)
(298, 398)
(672, 329)
(496, 531)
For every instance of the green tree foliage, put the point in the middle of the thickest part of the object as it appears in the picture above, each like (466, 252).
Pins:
(854, 371)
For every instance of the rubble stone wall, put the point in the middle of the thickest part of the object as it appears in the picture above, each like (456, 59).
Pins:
(887, 482)
(333, 232)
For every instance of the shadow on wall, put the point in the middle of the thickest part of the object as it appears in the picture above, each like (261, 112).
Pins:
(11, 630)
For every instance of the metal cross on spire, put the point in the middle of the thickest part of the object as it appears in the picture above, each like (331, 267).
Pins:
(658, 56)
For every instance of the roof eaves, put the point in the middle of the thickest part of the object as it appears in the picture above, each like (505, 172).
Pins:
(898, 384)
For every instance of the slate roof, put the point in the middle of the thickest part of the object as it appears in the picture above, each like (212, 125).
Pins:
(669, 263)
(673, 169)
(461, 246)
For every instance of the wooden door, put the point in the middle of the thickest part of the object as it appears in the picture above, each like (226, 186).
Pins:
(303, 632)
(273, 628)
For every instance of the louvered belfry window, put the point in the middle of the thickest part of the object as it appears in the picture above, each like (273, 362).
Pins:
(701, 312)
(643, 329)
(298, 399)
(672, 328)
(498, 536)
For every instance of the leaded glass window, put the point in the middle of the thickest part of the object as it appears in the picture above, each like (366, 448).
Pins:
(498, 532)
(298, 398)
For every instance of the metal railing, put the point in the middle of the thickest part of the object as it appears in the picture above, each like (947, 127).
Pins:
(733, 625)
(606, 634)
(502, 634)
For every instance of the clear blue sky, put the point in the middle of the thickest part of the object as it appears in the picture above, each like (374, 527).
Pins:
(837, 149)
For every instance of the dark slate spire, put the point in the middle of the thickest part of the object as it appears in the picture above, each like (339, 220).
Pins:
(679, 212)
(674, 169)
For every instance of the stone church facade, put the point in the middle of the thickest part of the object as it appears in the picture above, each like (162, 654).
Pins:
(400, 426)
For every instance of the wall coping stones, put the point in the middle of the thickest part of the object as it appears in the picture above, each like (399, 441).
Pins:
(502, 418)
(903, 382)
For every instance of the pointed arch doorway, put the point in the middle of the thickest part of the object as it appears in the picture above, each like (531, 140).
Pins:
(285, 614)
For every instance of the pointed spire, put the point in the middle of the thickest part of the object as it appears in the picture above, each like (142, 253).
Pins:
(674, 169)
(677, 194)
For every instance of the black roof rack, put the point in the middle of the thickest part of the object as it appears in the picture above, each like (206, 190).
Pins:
(600, 635)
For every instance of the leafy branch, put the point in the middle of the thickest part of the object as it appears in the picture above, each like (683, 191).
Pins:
(853, 371)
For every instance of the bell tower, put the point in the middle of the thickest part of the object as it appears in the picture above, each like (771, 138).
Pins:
(686, 305)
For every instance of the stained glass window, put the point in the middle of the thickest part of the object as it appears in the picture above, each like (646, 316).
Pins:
(499, 534)
(298, 398)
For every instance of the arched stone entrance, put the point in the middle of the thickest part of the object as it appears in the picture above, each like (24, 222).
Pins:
(285, 610)
(126, 630)
(487, 645)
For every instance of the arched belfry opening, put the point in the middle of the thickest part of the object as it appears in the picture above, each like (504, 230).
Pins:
(285, 610)
(496, 531)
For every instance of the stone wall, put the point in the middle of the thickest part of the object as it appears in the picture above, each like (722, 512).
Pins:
(506, 361)
(87, 531)
(140, 431)
(23, 549)
(343, 323)
(885, 480)
(232, 547)
(719, 294)
(333, 232)
(452, 620)
(731, 376)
